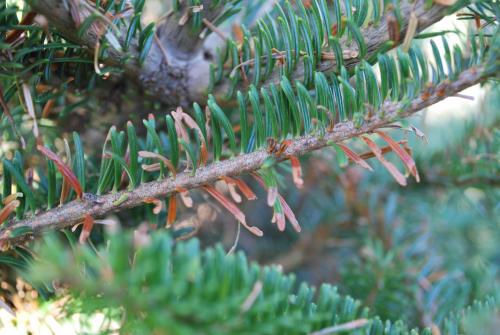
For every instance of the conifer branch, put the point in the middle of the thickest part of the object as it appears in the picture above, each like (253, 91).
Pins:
(99, 206)
(164, 69)
(186, 77)
(377, 38)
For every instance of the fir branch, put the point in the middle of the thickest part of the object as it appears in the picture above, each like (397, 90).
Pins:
(141, 53)
(186, 77)
(156, 282)
(98, 206)
(155, 291)
(379, 38)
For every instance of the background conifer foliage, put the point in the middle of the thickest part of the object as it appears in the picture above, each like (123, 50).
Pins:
(249, 167)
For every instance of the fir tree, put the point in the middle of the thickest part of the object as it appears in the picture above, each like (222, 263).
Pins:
(234, 96)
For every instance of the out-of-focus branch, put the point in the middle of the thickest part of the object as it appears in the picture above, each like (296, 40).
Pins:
(375, 36)
(170, 78)
(177, 72)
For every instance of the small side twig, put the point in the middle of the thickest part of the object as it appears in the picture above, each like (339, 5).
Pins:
(236, 240)
(215, 29)
(342, 328)
(254, 294)
(162, 48)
